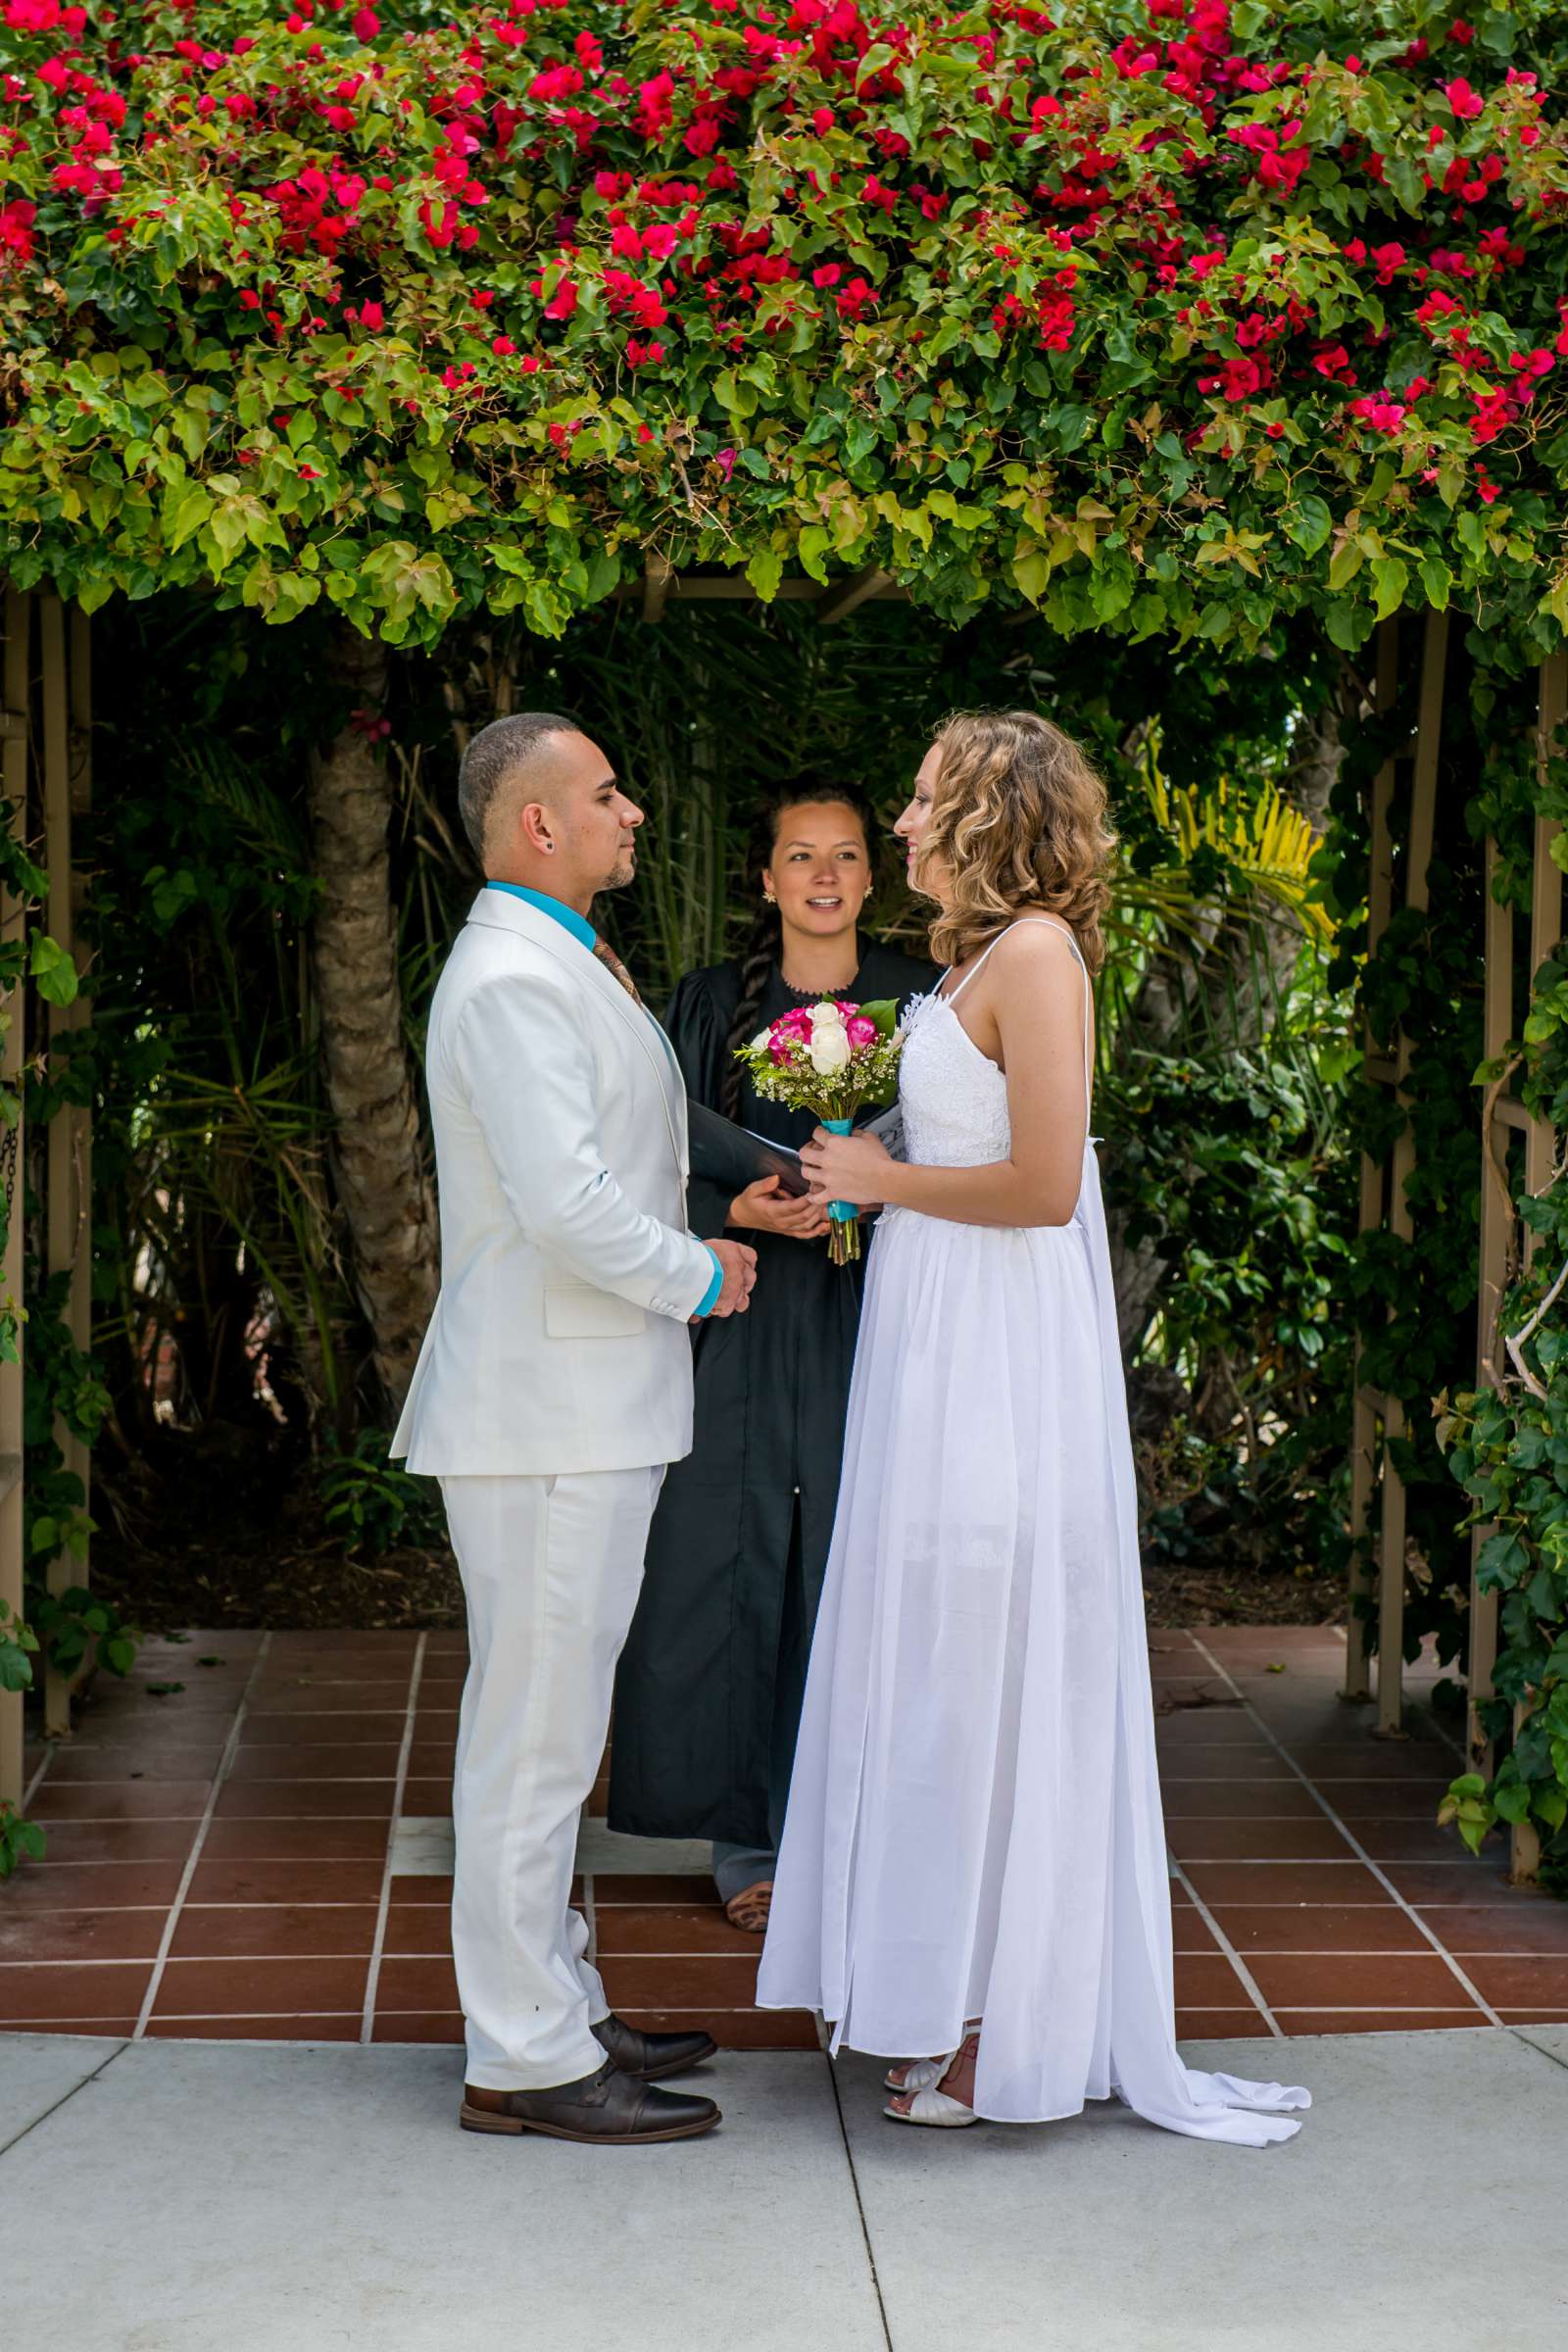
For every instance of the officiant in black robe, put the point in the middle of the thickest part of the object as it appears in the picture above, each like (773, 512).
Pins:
(707, 1698)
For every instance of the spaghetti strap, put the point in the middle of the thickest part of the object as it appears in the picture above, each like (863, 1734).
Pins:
(1064, 931)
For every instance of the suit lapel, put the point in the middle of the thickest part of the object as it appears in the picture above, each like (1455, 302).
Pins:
(502, 912)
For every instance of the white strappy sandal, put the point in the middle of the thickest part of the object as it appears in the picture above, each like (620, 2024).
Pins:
(919, 2073)
(935, 2109)
(929, 2105)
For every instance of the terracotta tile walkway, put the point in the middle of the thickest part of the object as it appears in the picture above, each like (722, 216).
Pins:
(249, 1840)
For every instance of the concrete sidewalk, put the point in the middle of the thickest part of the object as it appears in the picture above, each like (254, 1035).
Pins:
(168, 2196)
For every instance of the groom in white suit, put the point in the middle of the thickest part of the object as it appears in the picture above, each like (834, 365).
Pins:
(552, 1388)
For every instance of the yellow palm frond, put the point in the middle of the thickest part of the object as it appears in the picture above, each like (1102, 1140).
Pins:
(1266, 846)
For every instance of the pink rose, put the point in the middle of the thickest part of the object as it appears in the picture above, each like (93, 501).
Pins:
(862, 1031)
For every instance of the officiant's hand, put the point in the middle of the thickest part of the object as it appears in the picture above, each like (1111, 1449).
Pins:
(739, 1263)
(767, 1208)
(847, 1167)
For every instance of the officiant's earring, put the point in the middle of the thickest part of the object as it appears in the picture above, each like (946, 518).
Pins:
(768, 896)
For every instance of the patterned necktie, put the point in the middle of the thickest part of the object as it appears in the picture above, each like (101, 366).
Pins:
(613, 966)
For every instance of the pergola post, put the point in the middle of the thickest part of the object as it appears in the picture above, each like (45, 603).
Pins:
(13, 749)
(1501, 1112)
(1364, 1407)
(1500, 1237)
(1385, 1195)
(67, 1220)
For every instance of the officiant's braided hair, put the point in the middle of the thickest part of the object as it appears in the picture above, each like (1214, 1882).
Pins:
(765, 947)
(1019, 821)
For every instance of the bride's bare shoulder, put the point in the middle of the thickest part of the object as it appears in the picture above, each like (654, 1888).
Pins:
(1038, 947)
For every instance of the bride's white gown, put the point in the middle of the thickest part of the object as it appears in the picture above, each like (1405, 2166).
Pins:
(974, 1824)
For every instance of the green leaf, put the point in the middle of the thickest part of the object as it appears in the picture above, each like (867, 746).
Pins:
(765, 571)
(1501, 1561)
(1345, 562)
(732, 392)
(1032, 572)
(185, 509)
(1403, 174)
(1349, 624)
(16, 1667)
(1389, 578)
(1437, 579)
(1309, 523)
(884, 1012)
(53, 969)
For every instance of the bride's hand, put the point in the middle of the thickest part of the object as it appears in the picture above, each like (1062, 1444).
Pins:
(847, 1167)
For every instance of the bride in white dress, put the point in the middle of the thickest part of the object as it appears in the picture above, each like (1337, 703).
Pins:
(973, 1862)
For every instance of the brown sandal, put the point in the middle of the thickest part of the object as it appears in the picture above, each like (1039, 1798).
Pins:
(748, 1909)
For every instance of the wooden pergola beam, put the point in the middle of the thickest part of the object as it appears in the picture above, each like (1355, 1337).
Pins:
(837, 603)
(660, 583)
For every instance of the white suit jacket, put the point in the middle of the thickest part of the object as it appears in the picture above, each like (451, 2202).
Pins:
(568, 1274)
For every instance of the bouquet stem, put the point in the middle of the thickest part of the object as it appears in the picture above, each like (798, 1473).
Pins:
(844, 1240)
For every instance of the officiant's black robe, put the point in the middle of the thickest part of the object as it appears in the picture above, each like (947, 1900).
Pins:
(708, 1690)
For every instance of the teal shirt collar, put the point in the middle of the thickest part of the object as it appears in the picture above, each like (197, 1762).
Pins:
(557, 909)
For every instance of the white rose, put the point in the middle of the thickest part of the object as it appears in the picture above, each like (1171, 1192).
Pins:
(759, 1044)
(830, 1042)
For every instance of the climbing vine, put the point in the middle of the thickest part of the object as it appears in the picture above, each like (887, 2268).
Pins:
(63, 1385)
(1507, 1442)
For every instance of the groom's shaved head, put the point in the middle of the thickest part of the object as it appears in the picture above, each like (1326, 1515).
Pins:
(510, 761)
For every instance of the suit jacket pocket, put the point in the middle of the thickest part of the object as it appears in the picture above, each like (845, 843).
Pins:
(577, 1310)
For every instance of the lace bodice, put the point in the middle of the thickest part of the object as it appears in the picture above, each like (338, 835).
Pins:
(954, 1099)
(953, 1096)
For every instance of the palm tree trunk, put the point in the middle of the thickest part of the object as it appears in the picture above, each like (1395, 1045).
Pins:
(383, 1177)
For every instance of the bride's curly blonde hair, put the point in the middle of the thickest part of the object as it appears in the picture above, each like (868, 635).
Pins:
(1018, 820)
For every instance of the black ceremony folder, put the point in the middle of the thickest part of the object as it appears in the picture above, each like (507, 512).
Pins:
(734, 1157)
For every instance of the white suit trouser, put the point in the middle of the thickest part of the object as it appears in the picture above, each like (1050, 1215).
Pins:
(551, 1572)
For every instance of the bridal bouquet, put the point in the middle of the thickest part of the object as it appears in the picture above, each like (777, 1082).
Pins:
(829, 1060)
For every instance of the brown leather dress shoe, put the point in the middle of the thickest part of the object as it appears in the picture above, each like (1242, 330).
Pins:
(620, 2110)
(653, 2056)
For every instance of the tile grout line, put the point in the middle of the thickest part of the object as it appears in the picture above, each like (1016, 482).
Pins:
(17, 2138)
(225, 1765)
(1254, 1990)
(372, 1978)
(1382, 1877)
(859, 2202)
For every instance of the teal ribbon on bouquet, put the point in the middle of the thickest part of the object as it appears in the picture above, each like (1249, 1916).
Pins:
(843, 1212)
